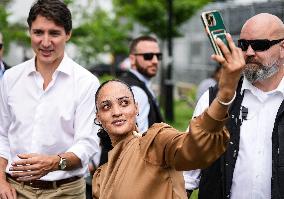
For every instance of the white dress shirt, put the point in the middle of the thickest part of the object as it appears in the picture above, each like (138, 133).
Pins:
(56, 120)
(253, 169)
(142, 99)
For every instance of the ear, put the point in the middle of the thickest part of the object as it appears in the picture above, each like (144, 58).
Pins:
(97, 118)
(132, 59)
(68, 36)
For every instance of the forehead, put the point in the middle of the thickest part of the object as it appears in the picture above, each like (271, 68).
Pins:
(43, 23)
(113, 91)
(252, 32)
(257, 29)
(147, 46)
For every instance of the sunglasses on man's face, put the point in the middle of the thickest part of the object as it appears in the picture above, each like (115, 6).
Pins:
(257, 44)
(1, 46)
(149, 56)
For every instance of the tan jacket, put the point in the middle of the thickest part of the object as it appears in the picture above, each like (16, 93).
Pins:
(146, 167)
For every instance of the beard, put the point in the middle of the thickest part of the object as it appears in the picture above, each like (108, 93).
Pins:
(143, 70)
(255, 71)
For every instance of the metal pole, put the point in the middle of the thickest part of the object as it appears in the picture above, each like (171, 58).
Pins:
(169, 106)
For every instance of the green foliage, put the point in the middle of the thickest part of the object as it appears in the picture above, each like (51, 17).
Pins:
(12, 32)
(105, 78)
(194, 194)
(100, 33)
(154, 15)
(4, 25)
(183, 114)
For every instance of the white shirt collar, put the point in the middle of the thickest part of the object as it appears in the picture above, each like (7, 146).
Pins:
(63, 66)
(254, 90)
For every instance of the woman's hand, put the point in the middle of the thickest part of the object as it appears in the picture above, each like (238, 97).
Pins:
(232, 64)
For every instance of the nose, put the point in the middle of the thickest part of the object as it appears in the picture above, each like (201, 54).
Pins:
(45, 41)
(249, 51)
(116, 111)
(155, 59)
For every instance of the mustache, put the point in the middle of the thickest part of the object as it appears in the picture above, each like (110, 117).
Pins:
(251, 60)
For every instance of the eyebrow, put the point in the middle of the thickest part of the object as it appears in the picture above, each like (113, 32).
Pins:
(120, 98)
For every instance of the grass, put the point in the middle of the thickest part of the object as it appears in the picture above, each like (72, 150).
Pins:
(182, 114)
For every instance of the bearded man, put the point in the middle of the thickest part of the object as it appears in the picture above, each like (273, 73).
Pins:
(253, 165)
(144, 57)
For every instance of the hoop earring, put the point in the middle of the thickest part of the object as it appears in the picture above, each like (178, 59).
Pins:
(97, 122)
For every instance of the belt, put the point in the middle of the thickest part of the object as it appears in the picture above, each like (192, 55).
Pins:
(40, 184)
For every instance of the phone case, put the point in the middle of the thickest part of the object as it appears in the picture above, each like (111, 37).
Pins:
(214, 27)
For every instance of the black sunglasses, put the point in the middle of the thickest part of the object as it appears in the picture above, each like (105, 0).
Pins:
(1, 45)
(258, 44)
(149, 56)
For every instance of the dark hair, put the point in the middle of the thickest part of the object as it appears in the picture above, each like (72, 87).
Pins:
(135, 42)
(54, 10)
(112, 80)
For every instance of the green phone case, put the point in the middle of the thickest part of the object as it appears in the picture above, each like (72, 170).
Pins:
(214, 25)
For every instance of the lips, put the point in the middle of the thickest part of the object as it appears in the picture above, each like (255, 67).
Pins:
(118, 122)
(45, 52)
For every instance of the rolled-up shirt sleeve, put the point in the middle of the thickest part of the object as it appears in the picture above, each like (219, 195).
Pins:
(4, 120)
(86, 141)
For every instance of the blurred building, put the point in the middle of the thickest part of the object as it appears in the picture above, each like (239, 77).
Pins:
(192, 52)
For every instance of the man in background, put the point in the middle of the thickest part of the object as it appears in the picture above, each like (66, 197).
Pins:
(144, 57)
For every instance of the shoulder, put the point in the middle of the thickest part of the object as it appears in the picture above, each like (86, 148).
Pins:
(82, 75)
(155, 142)
(158, 131)
(139, 93)
(16, 72)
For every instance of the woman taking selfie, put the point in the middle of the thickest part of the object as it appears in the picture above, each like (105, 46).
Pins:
(149, 165)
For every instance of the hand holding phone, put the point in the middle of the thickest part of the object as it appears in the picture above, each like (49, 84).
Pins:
(215, 28)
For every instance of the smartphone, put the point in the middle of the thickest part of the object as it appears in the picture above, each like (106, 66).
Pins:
(214, 27)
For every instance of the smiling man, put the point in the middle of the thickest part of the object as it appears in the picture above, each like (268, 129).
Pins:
(46, 114)
(145, 56)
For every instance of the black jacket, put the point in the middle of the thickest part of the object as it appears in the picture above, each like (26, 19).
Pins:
(216, 181)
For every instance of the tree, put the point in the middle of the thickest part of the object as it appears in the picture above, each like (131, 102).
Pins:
(163, 18)
(4, 23)
(16, 32)
(99, 33)
(154, 14)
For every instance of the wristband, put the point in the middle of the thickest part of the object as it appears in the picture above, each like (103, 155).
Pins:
(226, 103)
